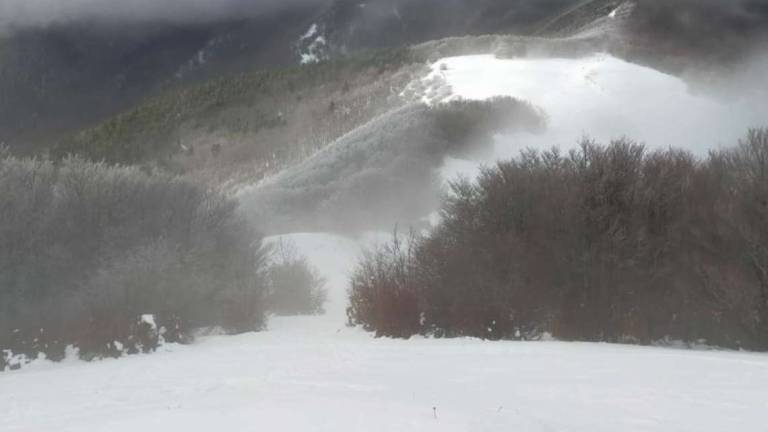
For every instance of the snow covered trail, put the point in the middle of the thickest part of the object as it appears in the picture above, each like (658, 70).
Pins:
(316, 374)
(334, 257)
(345, 381)
(599, 96)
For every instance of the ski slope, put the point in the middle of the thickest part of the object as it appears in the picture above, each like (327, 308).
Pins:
(601, 97)
(316, 374)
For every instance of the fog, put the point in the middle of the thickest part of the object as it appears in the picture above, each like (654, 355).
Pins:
(604, 98)
(26, 13)
(20, 14)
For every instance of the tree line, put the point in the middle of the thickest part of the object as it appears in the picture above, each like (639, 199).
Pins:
(610, 243)
(114, 259)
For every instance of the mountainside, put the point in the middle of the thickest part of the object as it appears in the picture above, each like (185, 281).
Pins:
(338, 117)
(258, 121)
(349, 25)
(67, 75)
(384, 215)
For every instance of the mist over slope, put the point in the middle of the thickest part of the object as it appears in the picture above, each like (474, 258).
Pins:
(327, 134)
(239, 128)
(16, 14)
(191, 128)
(67, 75)
(68, 66)
(604, 98)
(384, 172)
(393, 169)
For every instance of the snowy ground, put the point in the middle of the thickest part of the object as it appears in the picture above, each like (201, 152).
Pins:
(315, 374)
(600, 96)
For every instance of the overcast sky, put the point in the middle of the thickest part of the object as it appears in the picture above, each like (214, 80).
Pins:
(35, 12)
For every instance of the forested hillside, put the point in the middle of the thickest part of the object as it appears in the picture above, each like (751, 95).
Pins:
(87, 251)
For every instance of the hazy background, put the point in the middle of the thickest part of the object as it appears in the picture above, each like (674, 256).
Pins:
(36, 12)
(25, 13)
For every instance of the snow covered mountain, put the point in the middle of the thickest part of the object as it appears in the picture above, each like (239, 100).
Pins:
(351, 25)
(328, 148)
(261, 123)
(69, 74)
(378, 175)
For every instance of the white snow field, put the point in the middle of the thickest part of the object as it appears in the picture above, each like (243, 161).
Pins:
(316, 374)
(599, 96)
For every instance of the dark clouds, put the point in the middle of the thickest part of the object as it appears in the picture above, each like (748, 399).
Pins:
(26, 13)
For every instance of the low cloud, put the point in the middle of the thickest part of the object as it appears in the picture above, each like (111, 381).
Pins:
(27, 13)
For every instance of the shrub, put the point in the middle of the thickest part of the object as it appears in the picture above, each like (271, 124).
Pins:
(460, 123)
(382, 296)
(295, 288)
(604, 244)
(87, 250)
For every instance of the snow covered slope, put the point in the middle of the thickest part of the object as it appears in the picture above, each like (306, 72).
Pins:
(315, 374)
(599, 96)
